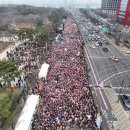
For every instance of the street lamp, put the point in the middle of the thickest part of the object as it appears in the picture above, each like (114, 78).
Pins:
(120, 90)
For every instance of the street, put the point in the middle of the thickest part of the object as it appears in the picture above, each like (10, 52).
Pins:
(105, 72)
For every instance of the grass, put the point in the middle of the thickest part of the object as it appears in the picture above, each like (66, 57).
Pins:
(3, 46)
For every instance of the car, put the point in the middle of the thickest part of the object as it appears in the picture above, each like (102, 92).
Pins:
(97, 31)
(107, 43)
(127, 45)
(86, 34)
(93, 38)
(126, 41)
(126, 101)
(128, 52)
(89, 38)
(96, 44)
(100, 43)
(105, 49)
(98, 37)
(93, 46)
(114, 58)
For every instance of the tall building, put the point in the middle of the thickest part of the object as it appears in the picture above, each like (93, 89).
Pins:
(123, 12)
(109, 6)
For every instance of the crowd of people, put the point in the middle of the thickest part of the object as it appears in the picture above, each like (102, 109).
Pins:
(28, 58)
(65, 97)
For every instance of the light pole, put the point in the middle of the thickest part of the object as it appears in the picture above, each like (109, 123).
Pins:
(120, 90)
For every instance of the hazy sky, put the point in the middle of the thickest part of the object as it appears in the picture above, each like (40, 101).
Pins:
(92, 3)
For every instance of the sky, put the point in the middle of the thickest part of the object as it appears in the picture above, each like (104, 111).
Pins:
(88, 3)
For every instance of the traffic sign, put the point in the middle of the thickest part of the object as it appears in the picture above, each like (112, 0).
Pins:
(104, 29)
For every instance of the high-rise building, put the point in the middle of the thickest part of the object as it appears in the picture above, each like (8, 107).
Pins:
(109, 6)
(123, 12)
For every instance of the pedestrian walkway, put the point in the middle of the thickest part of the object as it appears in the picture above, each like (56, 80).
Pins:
(123, 121)
(11, 47)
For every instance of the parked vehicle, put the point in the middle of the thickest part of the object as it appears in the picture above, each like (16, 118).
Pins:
(89, 38)
(107, 43)
(126, 101)
(97, 44)
(128, 52)
(100, 43)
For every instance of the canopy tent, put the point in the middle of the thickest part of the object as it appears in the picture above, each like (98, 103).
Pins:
(43, 71)
(24, 121)
(98, 120)
(59, 38)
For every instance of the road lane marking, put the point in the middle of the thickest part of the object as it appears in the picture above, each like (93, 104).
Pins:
(114, 75)
(96, 80)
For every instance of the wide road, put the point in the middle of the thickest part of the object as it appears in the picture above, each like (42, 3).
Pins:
(104, 71)
(107, 71)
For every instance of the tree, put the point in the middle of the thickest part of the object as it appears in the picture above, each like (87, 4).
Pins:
(30, 33)
(7, 102)
(21, 34)
(8, 71)
(39, 22)
(41, 36)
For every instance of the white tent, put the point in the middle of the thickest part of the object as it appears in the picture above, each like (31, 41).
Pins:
(99, 120)
(24, 121)
(43, 71)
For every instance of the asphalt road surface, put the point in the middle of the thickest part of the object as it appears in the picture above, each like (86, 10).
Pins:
(105, 72)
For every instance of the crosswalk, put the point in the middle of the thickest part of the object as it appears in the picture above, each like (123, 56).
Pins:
(123, 121)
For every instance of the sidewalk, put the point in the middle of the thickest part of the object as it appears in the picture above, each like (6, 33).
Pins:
(21, 103)
(123, 121)
(11, 47)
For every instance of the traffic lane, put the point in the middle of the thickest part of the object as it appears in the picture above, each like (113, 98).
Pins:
(111, 70)
(101, 62)
(96, 61)
(97, 64)
(114, 69)
(118, 52)
(92, 75)
(108, 116)
(125, 62)
(114, 52)
(124, 91)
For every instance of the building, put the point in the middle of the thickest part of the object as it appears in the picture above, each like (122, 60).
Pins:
(123, 12)
(109, 6)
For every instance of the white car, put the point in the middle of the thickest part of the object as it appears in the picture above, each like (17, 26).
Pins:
(97, 44)
(93, 46)
(98, 37)
(128, 52)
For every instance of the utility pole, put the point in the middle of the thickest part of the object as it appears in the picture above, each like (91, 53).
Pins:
(120, 90)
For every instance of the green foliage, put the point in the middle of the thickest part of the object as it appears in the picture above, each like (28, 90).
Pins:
(41, 36)
(8, 71)
(7, 102)
(30, 33)
(39, 22)
(26, 33)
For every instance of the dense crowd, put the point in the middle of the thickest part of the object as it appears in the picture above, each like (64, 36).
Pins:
(65, 98)
(29, 58)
